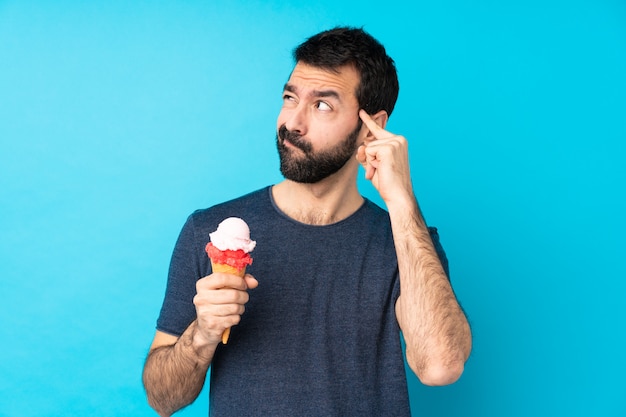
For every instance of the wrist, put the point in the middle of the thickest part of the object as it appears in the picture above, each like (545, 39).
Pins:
(201, 345)
(406, 217)
(403, 205)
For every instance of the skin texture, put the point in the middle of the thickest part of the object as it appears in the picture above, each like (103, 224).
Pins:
(436, 331)
(321, 107)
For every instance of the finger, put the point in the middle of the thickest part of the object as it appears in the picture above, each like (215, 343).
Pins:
(251, 282)
(370, 168)
(376, 130)
(360, 155)
(367, 158)
(223, 295)
(215, 319)
(218, 310)
(226, 310)
(219, 280)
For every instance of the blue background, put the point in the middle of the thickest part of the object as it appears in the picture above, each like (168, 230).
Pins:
(117, 120)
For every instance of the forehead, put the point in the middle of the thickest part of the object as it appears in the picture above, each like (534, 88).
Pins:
(306, 79)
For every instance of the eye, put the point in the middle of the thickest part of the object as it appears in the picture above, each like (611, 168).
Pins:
(323, 106)
(288, 99)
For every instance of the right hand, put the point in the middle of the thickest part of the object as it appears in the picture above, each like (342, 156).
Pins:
(220, 301)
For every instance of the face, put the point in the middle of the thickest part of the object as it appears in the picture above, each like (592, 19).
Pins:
(318, 126)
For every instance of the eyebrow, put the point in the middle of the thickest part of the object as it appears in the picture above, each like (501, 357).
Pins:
(314, 93)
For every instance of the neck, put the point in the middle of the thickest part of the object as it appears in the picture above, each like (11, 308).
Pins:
(328, 201)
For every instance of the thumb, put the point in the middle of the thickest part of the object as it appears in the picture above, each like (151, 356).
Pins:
(368, 163)
(251, 282)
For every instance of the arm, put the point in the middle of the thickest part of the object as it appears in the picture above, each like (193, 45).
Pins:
(176, 367)
(175, 370)
(436, 331)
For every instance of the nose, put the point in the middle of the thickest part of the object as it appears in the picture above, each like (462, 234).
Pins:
(296, 119)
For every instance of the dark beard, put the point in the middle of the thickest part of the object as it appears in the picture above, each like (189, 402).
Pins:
(313, 167)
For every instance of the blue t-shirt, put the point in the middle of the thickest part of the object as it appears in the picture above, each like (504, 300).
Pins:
(319, 336)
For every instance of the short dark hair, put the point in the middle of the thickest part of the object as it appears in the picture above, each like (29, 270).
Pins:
(378, 87)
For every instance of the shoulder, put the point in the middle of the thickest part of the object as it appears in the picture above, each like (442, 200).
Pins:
(374, 214)
(248, 207)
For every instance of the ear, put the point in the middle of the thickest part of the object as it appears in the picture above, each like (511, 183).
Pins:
(381, 118)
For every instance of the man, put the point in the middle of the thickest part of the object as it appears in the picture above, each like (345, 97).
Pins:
(338, 277)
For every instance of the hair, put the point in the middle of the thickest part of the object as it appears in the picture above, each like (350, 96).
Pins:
(335, 48)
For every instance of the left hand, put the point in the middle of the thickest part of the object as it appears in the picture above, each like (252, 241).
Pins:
(385, 157)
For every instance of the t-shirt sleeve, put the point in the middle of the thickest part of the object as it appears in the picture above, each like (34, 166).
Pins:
(178, 310)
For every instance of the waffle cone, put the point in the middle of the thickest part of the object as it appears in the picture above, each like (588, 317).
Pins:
(228, 270)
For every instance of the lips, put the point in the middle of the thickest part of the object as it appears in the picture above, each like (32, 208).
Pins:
(293, 139)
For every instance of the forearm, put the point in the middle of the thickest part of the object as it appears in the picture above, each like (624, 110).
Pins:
(174, 374)
(436, 331)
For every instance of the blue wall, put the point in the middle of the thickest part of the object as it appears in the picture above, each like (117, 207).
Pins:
(117, 120)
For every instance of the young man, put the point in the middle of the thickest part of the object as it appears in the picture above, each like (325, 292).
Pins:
(338, 277)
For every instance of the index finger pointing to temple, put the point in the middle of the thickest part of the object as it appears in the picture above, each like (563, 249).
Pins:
(376, 130)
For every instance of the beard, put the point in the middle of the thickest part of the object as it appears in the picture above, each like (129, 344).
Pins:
(313, 166)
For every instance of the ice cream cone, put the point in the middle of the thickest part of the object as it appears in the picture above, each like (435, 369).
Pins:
(228, 270)
(229, 251)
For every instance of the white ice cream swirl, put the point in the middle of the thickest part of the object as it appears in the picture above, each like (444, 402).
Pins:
(233, 234)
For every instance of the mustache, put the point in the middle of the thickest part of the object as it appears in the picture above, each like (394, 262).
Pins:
(295, 139)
